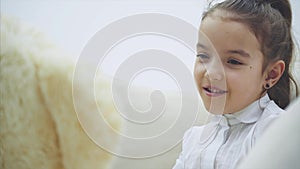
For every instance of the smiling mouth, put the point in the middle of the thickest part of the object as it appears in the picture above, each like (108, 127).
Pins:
(213, 91)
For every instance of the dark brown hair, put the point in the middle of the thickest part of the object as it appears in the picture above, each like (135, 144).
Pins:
(270, 21)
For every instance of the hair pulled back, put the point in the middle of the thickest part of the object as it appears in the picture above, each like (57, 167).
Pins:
(270, 21)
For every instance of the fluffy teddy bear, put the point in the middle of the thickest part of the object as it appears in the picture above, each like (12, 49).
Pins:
(38, 123)
(39, 127)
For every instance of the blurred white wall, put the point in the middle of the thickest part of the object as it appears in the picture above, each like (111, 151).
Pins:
(71, 23)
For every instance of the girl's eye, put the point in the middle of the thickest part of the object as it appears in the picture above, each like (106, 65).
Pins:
(234, 62)
(203, 57)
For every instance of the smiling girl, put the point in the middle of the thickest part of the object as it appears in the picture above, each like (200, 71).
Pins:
(242, 72)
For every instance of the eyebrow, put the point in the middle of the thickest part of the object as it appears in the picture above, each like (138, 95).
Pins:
(199, 45)
(239, 52)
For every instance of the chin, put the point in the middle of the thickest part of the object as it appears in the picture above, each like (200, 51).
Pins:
(211, 109)
(217, 108)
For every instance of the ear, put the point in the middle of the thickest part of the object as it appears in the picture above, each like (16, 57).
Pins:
(274, 72)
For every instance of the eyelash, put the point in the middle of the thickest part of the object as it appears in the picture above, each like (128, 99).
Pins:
(203, 57)
(234, 62)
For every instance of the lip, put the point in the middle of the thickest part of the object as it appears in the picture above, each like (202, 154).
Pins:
(212, 91)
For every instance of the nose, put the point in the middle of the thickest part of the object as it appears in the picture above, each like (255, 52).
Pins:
(215, 70)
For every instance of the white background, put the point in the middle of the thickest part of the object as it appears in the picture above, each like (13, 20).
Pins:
(71, 23)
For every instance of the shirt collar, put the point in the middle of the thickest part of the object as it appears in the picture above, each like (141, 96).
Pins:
(250, 114)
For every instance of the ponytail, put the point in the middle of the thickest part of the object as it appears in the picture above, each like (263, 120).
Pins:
(281, 91)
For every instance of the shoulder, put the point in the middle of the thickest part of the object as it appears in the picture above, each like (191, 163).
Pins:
(271, 112)
(191, 137)
(193, 132)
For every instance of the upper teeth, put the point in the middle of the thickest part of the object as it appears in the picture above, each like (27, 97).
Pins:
(215, 90)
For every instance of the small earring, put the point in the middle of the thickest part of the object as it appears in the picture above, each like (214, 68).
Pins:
(267, 86)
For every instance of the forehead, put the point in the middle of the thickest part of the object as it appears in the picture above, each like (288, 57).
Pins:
(220, 33)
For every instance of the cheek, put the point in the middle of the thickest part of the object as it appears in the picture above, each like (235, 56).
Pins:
(199, 71)
(236, 81)
(246, 80)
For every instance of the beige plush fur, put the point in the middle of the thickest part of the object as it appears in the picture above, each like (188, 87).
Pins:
(38, 124)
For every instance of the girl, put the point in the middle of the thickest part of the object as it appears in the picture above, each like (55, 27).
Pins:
(242, 73)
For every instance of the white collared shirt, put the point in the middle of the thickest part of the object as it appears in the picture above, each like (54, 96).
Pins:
(226, 139)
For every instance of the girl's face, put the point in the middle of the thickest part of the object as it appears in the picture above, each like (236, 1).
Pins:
(228, 68)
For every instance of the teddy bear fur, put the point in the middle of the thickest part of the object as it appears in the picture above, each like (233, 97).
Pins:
(39, 127)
